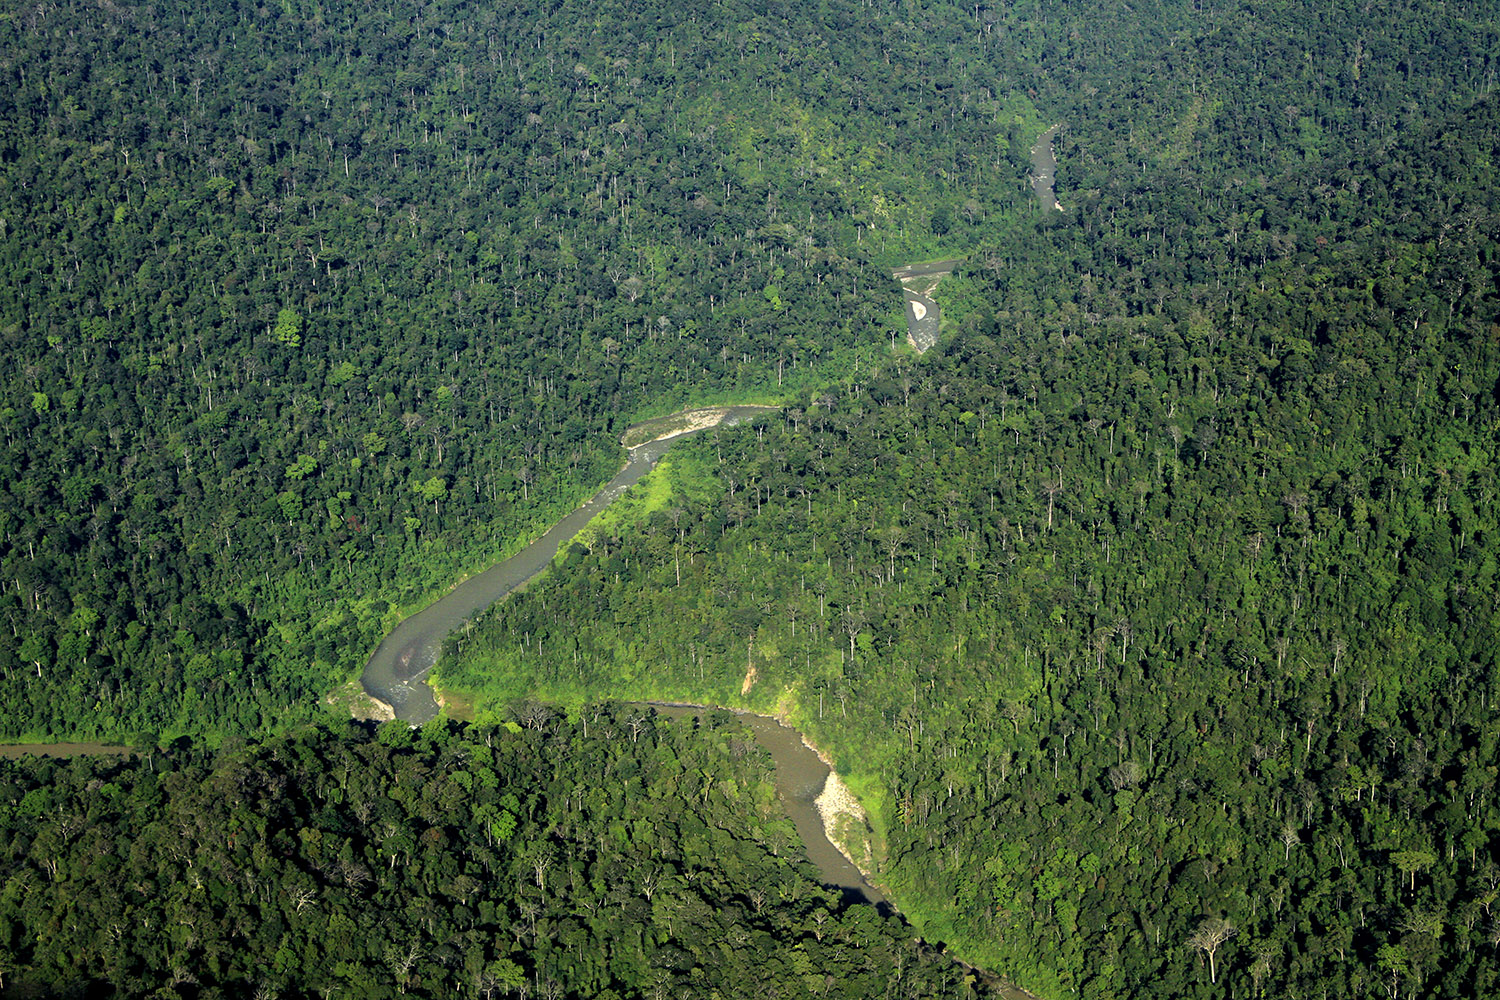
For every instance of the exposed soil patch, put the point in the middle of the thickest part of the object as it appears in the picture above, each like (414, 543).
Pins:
(359, 703)
(845, 823)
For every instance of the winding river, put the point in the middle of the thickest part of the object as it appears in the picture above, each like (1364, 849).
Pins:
(396, 673)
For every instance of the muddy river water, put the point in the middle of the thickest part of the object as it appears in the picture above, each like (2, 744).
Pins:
(396, 674)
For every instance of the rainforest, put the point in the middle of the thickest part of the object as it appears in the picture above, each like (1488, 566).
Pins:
(1150, 604)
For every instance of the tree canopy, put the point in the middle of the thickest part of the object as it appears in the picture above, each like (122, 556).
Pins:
(1154, 612)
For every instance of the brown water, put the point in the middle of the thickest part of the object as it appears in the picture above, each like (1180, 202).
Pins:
(800, 777)
(923, 317)
(396, 673)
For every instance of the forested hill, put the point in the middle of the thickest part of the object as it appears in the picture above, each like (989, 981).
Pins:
(311, 308)
(1156, 613)
(483, 862)
(1198, 658)
(315, 307)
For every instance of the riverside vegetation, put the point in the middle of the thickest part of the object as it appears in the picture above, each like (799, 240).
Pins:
(320, 308)
(1153, 612)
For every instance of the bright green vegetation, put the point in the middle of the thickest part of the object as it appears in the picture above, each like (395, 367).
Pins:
(614, 856)
(653, 493)
(315, 308)
(1155, 611)
(1160, 611)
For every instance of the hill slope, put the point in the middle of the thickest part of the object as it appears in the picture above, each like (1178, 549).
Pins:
(1158, 613)
(313, 308)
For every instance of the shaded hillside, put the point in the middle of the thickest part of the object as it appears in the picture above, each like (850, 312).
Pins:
(314, 308)
(615, 856)
(1161, 605)
(1154, 610)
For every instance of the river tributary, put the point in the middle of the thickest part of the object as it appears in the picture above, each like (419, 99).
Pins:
(1044, 170)
(923, 318)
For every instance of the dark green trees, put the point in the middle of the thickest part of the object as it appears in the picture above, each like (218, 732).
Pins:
(314, 310)
(611, 856)
(1161, 603)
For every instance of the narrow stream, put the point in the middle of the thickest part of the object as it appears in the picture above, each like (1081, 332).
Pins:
(1044, 170)
(923, 318)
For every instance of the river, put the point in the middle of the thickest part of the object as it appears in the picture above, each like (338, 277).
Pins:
(923, 318)
(801, 777)
(396, 674)
(1044, 170)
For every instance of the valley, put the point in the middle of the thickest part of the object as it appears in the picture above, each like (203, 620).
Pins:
(1124, 542)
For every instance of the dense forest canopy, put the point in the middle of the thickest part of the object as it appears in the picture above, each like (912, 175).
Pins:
(1154, 612)
(1159, 613)
(313, 309)
(482, 862)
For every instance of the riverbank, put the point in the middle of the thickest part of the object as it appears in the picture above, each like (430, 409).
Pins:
(351, 698)
(845, 822)
(840, 814)
(679, 424)
(829, 818)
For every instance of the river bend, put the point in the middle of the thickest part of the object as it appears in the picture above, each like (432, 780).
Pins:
(397, 673)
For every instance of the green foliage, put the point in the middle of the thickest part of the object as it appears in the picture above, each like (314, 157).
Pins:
(461, 292)
(288, 330)
(301, 468)
(614, 855)
(1146, 617)
(432, 490)
(1180, 556)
